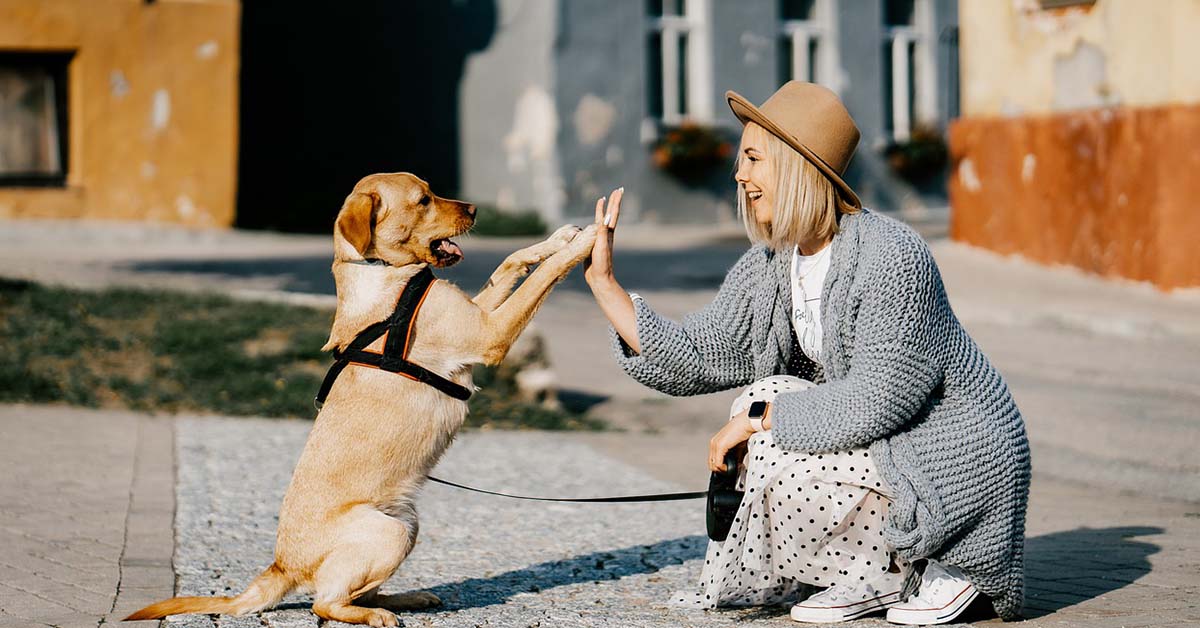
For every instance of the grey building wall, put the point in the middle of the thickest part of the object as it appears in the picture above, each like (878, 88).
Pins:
(554, 113)
(508, 118)
(600, 95)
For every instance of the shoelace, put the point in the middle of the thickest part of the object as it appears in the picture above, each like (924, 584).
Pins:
(837, 593)
(935, 584)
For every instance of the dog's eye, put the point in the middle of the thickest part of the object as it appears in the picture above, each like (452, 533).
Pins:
(424, 200)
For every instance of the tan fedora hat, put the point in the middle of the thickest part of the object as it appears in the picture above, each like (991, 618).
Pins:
(811, 119)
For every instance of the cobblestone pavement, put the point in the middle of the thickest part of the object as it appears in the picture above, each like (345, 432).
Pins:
(86, 502)
(1105, 373)
(1093, 560)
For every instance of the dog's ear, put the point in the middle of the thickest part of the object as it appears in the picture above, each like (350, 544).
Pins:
(355, 224)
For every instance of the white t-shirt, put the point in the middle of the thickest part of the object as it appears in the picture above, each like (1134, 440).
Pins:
(808, 277)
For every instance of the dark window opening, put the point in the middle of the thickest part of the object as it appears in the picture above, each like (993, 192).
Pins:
(33, 118)
(682, 78)
(898, 12)
(785, 59)
(796, 9)
(659, 8)
(654, 84)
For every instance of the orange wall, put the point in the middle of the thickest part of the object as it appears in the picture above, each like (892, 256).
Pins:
(1111, 191)
(153, 104)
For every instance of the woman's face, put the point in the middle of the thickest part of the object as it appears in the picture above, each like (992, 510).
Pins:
(756, 175)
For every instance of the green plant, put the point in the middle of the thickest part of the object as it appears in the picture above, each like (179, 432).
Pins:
(490, 221)
(922, 157)
(690, 152)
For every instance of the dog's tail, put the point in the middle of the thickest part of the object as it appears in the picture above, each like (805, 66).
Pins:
(267, 589)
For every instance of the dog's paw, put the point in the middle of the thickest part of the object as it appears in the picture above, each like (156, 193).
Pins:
(581, 244)
(380, 617)
(564, 235)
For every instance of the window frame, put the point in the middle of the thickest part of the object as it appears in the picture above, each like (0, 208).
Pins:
(684, 81)
(816, 29)
(57, 64)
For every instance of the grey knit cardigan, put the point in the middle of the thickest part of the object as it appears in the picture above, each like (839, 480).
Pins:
(898, 373)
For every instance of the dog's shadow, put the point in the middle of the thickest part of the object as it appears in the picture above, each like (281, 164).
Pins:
(593, 567)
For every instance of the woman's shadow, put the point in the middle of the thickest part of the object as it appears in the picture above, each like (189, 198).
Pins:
(1065, 568)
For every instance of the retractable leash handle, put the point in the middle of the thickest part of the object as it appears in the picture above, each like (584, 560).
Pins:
(723, 499)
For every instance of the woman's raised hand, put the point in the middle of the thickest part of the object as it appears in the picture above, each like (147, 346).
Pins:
(598, 269)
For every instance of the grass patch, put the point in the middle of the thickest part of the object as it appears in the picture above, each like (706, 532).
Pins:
(169, 351)
(490, 221)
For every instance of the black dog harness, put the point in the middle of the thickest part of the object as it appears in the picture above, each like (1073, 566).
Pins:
(396, 330)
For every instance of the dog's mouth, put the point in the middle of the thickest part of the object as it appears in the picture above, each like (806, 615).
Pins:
(446, 252)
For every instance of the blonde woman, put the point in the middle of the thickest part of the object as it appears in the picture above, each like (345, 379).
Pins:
(886, 463)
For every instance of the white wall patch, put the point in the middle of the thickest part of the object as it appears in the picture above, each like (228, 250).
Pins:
(160, 112)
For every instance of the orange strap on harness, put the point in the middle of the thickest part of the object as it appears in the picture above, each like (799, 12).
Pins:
(396, 329)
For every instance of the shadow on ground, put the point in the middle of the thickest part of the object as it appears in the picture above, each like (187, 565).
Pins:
(696, 269)
(1062, 569)
(593, 567)
(1065, 568)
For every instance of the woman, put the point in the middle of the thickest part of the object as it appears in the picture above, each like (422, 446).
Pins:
(908, 447)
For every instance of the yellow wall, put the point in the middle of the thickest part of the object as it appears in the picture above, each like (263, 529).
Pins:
(152, 95)
(1014, 55)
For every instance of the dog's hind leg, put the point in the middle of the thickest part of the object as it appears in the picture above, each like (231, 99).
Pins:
(517, 265)
(372, 546)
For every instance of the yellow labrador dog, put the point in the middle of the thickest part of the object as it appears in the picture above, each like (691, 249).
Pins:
(348, 519)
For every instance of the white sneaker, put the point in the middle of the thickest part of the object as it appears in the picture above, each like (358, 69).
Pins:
(844, 602)
(944, 594)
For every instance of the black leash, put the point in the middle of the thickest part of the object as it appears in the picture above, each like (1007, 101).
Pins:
(661, 497)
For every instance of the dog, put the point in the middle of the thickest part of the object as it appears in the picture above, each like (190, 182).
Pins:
(348, 518)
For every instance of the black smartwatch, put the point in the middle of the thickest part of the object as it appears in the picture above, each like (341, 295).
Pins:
(758, 410)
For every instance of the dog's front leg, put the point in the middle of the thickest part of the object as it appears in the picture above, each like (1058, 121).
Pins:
(517, 265)
(503, 324)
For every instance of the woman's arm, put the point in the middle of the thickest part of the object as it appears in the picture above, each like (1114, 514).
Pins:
(613, 301)
(707, 352)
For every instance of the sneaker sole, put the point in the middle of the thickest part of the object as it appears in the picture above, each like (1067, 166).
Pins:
(878, 604)
(933, 615)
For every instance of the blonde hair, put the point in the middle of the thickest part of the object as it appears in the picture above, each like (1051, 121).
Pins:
(807, 203)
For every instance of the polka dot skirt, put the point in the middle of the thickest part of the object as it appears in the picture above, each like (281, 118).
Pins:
(806, 519)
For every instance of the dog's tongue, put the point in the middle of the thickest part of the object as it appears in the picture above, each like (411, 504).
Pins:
(449, 247)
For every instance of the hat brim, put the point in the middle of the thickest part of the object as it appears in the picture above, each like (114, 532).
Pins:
(747, 112)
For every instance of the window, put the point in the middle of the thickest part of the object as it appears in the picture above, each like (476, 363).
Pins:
(803, 41)
(677, 75)
(33, 118)
(901, 38)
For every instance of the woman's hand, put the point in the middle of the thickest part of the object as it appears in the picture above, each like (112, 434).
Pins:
(598, 269)
(735, 432)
